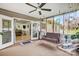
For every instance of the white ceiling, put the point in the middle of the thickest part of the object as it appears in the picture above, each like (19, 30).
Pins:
(24, 9)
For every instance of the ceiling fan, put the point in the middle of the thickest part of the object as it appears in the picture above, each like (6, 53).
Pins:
(38, 8)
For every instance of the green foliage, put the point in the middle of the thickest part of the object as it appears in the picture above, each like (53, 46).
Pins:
(1, 33)
(77, 34)
(73, 36)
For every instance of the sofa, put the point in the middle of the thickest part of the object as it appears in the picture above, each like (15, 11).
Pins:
(53, 37)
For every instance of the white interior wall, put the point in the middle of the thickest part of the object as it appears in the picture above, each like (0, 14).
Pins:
(50, 26)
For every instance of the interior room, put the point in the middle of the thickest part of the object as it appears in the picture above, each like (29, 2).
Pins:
(39, 29)
(23, 31)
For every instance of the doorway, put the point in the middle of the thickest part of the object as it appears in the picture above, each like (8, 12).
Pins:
(22, 31)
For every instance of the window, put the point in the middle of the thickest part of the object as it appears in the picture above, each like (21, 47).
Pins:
(6, 23)
(70, 23)
(58, 24)
(66, 23)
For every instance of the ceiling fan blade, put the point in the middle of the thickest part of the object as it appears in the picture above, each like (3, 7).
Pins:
(32, 11)
(30, 5)
(39, 12)
(46, 9)
(42, 5)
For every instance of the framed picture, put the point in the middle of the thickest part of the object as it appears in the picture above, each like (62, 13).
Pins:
(49, 21)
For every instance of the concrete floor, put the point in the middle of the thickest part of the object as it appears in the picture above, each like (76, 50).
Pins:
(35, 48)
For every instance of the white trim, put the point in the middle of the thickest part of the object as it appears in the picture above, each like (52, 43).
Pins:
(2, 17)
(31, 21)
(21, 19)
(0, 31)
(38, 22)
(6, 17)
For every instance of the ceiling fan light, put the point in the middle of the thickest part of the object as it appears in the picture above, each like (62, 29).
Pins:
(38, 9)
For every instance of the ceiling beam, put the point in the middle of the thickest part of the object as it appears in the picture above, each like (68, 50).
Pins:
(18, 15)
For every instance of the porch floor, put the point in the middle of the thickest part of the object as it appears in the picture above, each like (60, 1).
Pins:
(36, 48)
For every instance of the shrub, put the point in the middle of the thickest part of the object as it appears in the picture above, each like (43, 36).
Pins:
(77, 34)
(1, 33)
(73, 36)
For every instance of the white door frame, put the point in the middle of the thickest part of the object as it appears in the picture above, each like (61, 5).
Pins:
(19, 19)
(11, 29)
(32, 22)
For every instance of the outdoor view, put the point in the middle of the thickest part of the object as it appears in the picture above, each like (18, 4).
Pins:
(58, 24)
(39, 29)
(67, 23)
